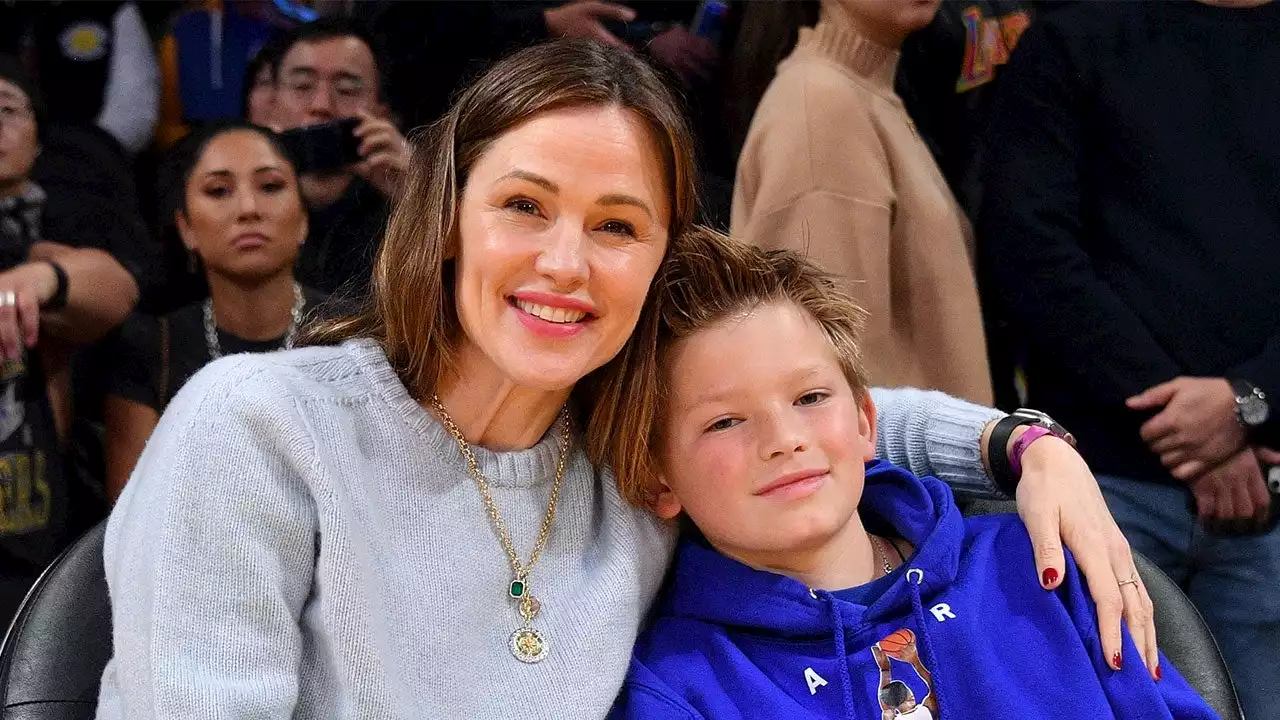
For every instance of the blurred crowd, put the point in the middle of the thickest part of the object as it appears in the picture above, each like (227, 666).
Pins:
(1070, 205)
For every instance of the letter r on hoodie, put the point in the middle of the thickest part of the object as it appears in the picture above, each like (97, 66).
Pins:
(942, 611)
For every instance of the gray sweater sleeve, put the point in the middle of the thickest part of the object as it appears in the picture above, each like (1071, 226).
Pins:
(932, 433)
(209, 556)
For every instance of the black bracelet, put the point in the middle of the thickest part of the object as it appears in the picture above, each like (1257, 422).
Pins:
(59, 299)
(998, 453)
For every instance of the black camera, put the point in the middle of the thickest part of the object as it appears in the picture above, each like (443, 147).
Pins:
(325, 147)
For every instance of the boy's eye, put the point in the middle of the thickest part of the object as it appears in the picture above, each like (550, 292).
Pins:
(812, 398)
(722, 424)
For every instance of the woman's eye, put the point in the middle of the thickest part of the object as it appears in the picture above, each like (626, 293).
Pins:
(527, 207)
(217, 192)
(272, 186)
(812, 398)
(723, 424)
(618, 227)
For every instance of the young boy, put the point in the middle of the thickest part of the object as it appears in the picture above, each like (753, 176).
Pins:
(819, 581)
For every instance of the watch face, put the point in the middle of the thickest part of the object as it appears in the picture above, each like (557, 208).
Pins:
(1254, 411)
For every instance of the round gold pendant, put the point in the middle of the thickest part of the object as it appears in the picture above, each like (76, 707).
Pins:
(528, 645)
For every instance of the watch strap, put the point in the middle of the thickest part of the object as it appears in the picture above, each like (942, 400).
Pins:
(1002, 471)
(1033, 433)
(59, 299)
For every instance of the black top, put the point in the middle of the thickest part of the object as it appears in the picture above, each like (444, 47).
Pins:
(136, 373)
(1130, 220)
(947, 77)
(72, 44)
(343, 239)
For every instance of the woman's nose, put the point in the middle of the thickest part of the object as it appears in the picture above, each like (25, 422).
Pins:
(247, 203)
(564, 258)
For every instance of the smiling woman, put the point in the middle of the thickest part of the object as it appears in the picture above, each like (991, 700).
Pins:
(415, 518)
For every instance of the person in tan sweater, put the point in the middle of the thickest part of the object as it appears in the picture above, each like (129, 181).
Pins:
(834, 167)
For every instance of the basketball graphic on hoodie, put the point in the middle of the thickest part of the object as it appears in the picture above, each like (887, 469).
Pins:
(897, 698)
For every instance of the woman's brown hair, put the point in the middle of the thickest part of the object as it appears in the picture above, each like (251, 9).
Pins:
(705, 279)
(411, 310)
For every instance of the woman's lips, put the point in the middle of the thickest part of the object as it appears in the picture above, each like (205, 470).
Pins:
(249, 241)
(551, 315)
(547, 328)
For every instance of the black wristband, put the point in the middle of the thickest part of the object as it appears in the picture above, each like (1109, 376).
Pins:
(998, 452)
(59, 299)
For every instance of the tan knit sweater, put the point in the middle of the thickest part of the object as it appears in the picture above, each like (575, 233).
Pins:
(833, 166)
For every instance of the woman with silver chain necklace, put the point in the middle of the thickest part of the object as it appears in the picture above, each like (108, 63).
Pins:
(243, 221)
(414, 518)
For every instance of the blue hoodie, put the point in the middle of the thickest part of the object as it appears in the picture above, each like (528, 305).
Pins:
(727, 641)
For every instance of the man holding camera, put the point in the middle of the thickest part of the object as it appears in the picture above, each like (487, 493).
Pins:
(330, 71)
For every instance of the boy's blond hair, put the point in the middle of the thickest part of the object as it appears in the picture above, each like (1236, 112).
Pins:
(707, 278)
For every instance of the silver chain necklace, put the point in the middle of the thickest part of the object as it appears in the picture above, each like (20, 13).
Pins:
(211, 324)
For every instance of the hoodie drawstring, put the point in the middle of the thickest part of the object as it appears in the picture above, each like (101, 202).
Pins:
(915, 577)
(842, 657)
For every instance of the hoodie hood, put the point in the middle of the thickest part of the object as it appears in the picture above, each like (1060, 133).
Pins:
(920, 510)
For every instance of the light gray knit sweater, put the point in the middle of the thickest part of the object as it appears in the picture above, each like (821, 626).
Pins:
(301, 539)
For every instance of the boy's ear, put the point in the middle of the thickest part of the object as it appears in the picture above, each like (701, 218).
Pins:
(867, 425)
(664, 502)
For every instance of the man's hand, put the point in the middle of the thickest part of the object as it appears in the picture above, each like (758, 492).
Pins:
(1233, 492)
(1196, 430)
(692, 58)
(585, 19)
(385, 153)
(31, 284)
(1267, 457)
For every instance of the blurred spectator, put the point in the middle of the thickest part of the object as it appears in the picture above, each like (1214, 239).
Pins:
(1131, 225)
(260, 85)
(438, 45)
(53, 298)
(97, 62)
(946, 79)
(833, 166)
(330, 70)
(242, 216)
(204, 62)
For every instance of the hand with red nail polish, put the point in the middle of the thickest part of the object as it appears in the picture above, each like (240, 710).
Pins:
(1117, 662)
(1048, 578)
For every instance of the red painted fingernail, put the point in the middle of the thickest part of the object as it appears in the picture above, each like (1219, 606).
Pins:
(1049, 577)
(1159, 675)
(1116, 661)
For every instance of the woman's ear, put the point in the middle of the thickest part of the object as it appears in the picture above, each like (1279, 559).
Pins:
(867, 424)
(184, 229)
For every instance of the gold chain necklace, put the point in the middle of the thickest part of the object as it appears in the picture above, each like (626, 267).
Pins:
(527, 644)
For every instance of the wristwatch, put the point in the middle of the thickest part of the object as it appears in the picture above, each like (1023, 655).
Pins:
(1252, 408)
(998, 447)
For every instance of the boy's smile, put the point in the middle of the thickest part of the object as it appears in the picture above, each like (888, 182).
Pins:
(764, 441)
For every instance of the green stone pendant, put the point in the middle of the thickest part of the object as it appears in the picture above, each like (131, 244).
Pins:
(517, 589)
